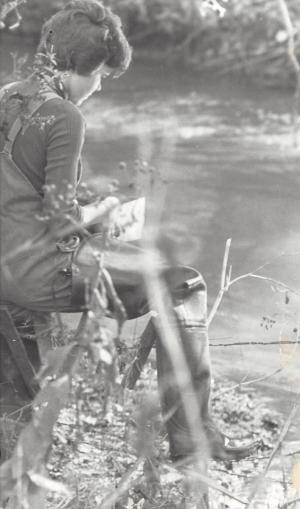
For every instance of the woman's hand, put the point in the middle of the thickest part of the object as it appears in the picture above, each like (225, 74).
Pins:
(98, 212)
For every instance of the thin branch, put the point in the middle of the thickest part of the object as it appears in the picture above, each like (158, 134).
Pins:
(252, 343)
(294, 453)
(225, 263)
(249, 382)
(286, 455)
(247, 477)
(275, 259)
(227, 282)
(266, 278)
(288, 504)
(224, 285)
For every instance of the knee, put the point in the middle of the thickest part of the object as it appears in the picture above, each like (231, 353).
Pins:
(182, 279)
(134, 300)
(189, 295)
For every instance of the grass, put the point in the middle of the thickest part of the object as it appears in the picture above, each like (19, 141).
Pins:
(105, 444)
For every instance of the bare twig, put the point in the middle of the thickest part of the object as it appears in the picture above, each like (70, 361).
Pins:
(225, 263)
(224, 283)
(246, 476)
(288, 504)
(286, 455)
(294, 453)
(249, 382)
(279, 284)
(255, 343)
(227, 282)
(144, 343)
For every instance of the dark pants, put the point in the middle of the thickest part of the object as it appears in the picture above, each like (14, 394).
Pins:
(182, 385)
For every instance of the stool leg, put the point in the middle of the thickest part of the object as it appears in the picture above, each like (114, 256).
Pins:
(43, 326)
(146, 343)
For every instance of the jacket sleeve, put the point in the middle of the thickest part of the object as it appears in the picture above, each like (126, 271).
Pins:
(64, 143)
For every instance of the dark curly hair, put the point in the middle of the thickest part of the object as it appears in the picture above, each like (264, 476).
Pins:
(83, 35)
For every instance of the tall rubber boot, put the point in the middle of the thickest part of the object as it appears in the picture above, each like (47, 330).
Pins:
(190, 307)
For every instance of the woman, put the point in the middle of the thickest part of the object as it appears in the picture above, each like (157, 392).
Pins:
(40, 173)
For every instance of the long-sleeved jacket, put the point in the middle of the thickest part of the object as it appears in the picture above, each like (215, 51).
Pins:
(39, 160)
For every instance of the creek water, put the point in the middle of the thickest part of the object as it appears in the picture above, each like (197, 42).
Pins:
(226, 150)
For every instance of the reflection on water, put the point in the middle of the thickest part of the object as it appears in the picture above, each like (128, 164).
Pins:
(233, 172)
(227, 153)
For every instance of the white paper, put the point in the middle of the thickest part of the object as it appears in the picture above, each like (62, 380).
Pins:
(131, 219)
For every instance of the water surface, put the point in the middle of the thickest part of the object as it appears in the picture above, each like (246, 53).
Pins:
(227, 153)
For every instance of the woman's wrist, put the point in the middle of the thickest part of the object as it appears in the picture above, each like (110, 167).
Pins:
(95, 212)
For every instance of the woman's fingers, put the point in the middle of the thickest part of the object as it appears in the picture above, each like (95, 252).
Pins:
(96, 212)
(107, 205)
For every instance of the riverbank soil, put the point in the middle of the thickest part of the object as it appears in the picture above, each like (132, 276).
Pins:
(244, 409)
(101, 436)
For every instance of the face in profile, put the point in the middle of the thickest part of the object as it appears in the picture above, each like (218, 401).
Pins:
(82, 87)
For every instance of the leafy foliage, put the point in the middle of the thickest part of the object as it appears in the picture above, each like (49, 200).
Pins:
(234, 36)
